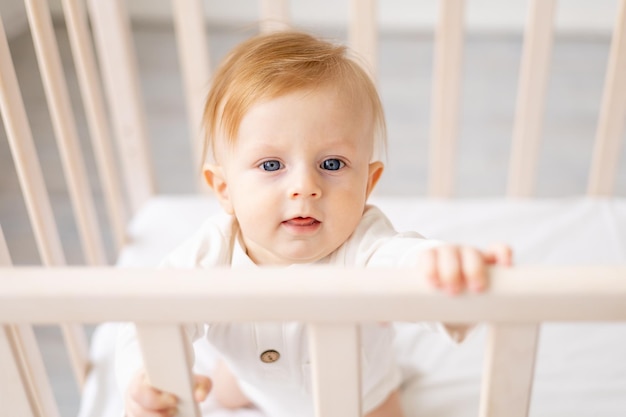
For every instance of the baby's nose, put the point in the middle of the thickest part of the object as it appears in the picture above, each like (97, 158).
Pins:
(305, 186)
(296, 194)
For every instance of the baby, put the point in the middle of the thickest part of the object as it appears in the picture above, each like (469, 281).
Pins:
(294, 130)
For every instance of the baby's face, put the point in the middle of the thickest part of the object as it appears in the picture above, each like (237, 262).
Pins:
(298, 177)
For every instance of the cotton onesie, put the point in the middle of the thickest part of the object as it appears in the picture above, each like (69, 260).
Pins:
(281, 387)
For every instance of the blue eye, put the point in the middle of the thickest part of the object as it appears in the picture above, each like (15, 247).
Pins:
(332, 164)
(272, 165)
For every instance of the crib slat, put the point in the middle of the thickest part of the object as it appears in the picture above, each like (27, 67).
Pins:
(509, 370)
(33, 371)
(5, 258)
(610, 128)
(34, 191)
(535, 68)
(64, 126)
(14, 396)
(335, 365)
(173, 374)
(23, 371)
(363, 32)
(274, 15)
(89, 80)
(193, 55)
(26, 161)
(446, 98)
(118, 65)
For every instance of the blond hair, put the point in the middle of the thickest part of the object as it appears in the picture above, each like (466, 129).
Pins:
(271, 65)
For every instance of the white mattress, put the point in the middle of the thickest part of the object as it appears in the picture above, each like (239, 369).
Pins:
(581, 367)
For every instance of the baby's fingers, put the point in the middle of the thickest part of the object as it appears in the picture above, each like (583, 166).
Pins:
(473, 269)
(500, 254)
(135, 410)
(449, 266)
(442, 268)
(427, 266)
(202, 387)
(453, 268)
(145, 399)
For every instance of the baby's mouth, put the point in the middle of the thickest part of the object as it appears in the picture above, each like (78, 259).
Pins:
(302, 221)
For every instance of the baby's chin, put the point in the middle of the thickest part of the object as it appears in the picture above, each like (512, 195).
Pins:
(292, 258)
(289, 253)
(301, 259)
(307, 256)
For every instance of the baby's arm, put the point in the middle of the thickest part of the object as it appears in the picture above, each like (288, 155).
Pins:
(391, 407)
(143, 400)
(140, 398)
(226, 390)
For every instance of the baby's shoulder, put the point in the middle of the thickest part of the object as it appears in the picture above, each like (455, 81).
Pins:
(210, 245)
(376, 242)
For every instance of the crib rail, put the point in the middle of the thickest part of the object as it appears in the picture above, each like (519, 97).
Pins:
(520, 294)
(159, 300)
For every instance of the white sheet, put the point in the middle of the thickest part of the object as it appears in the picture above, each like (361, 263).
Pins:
(581, 367)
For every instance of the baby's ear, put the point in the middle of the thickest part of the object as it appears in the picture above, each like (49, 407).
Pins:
(375, 171)
(214, 176)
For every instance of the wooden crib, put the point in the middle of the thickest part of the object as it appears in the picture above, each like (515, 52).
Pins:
(559, 289)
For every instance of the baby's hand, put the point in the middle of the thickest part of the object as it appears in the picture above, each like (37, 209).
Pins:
(454, 268)
(143, 400)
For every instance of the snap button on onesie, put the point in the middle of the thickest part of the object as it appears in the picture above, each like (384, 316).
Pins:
(270, 356)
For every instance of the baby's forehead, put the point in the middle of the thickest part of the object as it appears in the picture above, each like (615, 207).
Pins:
(324, 121)
(349, 96)
(337, 96)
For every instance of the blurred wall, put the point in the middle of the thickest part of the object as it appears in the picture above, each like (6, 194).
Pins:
(573, 16)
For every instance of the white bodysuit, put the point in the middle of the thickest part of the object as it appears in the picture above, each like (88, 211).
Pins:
(282, 388)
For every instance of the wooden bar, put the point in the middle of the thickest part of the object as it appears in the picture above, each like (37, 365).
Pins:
(336, 369)
(534, 72)
(446, 98)
(27, 165)
(193, 55)
(274, 15)
(509, 370)
(93, 100)
(5, 257)
(363, 32)
(174, 374)
(522, 294)
(14, 396)
(111, 27)
(34, 190)
(33, 370)
(610, 130)
(27, 387)
(64, 126)
(57, 96)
